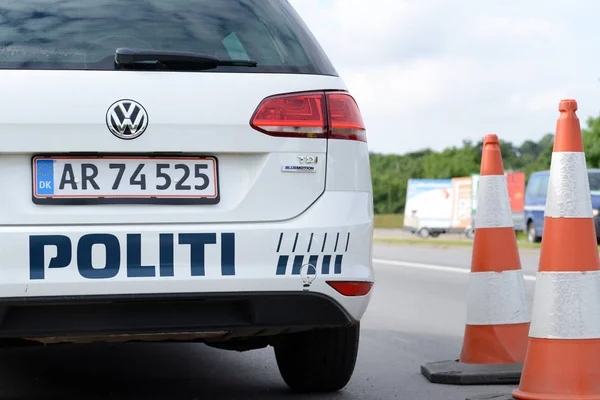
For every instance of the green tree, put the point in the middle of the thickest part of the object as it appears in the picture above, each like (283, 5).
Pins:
(390, 173)
(591, 142)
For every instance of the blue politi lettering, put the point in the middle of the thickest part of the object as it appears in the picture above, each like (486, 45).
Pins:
(197, 242)
(84, 256)
(37, 246)
(166, 255)
(227, 254)
(134, 259)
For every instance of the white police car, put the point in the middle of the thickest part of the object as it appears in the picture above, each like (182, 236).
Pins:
(188, 170)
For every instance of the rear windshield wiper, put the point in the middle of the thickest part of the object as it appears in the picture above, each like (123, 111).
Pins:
(128, 57)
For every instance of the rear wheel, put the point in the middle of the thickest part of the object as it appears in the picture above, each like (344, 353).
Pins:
(470, 233)
(424, 233)
(532, 236)
(318, 361)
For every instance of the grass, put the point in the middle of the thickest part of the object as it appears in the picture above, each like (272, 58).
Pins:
(396, 221)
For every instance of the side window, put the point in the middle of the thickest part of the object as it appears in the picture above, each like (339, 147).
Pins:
(594, 180)
(533, 186)
(543, 190)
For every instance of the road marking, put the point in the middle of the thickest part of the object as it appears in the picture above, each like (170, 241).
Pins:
(433, 267)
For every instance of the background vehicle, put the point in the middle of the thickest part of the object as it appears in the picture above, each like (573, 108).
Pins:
(438, 206)
(535, 202)
(190, 170)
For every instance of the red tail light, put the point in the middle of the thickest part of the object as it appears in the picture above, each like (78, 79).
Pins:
(349, 288)
(346, 119)
(333, 115)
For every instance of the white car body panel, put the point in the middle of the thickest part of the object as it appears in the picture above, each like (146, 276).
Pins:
(348, 167)
(210, 120)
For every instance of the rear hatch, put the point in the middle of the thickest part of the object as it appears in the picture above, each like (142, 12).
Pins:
(76, 130)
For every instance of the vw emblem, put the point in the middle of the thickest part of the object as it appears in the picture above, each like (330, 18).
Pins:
(126, 119)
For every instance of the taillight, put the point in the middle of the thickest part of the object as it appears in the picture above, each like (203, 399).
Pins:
(345, 118)
(292, 115)
(351, 288)
(333, 115)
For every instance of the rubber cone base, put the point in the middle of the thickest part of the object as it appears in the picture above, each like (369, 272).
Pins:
(453, 372)
(502, 396)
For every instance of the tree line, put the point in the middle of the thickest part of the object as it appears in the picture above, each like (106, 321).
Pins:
(390, 173)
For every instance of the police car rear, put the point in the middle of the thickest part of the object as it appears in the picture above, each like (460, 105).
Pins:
(188, 170)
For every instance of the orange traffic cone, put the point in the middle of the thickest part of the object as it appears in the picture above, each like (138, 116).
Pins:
(563, 357)
(495, 340)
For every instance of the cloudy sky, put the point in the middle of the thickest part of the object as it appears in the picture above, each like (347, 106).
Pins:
(430, 73)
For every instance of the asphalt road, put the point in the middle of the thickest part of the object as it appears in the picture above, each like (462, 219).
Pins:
(416, 315)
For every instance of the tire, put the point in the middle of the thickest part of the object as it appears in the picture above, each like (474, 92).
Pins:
(423, 233)
(318, 361)
(532, 236)
(435, 234)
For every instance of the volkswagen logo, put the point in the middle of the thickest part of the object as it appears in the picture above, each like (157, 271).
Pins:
(126, 119)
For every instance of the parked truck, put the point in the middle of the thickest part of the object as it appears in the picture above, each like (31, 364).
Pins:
(436, 206)
(515, 182)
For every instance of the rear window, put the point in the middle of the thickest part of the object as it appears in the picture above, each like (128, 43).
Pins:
(84, 34)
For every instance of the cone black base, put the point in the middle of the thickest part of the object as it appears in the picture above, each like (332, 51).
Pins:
(453, 372)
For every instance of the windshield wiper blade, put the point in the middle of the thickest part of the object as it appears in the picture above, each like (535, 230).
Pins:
(126, 56)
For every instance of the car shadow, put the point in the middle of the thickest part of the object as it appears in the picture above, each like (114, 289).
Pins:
(173, 371)
(388, 367)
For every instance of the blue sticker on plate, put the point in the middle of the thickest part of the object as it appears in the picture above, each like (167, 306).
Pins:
(44, 177)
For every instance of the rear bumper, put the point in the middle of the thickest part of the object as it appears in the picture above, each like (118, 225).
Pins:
(51, 273)
(209, 315)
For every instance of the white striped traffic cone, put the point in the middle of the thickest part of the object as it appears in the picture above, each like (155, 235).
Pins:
(563, 357)
(498, 318)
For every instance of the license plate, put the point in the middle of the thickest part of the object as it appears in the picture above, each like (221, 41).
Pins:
(84, 180)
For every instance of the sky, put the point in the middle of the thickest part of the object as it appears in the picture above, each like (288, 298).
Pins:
(432, 73)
